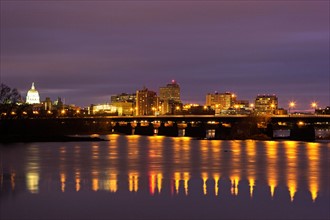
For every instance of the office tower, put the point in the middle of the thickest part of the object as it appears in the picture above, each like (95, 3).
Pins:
(146, 102)
(169, 96)
(220, 100)
(266, 104)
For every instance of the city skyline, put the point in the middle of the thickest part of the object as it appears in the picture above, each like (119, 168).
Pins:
(97, 49)
(291, 105)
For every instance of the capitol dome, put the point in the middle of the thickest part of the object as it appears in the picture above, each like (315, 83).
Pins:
(32, 96)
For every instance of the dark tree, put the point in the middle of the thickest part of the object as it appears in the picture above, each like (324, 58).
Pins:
(8, 95)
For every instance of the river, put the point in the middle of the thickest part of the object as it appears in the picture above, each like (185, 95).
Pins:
(156, 177)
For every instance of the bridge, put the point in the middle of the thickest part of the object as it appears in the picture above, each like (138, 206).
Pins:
(297, 127)
(224, 126)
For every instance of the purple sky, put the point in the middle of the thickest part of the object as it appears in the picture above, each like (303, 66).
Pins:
(85, 51)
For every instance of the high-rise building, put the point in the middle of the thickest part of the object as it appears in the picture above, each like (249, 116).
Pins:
(170, 92)
(169, 96)
(266, 104)
(146, 102)
(32, 96)
(220, 100)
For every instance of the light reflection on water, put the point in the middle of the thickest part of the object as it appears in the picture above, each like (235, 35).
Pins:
(161, 166)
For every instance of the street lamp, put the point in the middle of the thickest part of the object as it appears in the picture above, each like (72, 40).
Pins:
(314, 105)
(291, 105)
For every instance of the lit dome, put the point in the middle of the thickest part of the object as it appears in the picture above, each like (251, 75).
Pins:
(32, 96)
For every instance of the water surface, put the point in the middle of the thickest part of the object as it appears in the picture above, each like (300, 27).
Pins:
(140, 177)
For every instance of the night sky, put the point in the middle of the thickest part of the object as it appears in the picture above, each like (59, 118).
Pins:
(86, 51)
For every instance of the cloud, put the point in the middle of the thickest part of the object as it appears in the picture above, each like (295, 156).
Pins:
(102, 48)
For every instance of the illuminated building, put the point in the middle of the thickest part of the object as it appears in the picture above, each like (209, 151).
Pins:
(58, 104)
(170, 92)
(32, 96)
(146, 102)
(220, 100)
(123, 97)
(126, 102)
(106, 109)
(126, 108)
(170, 97)
(266, 104)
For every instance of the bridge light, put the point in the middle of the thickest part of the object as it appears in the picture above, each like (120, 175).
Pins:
(301, 123)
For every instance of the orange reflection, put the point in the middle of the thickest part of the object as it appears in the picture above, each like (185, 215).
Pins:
(133, 181)
(251, 156)
(32, 182)
(95, 178)
(236, 158)
(95, 184)
(313, 168)
(251, 166)
(181, 176)
(155, 154)
(204, 148)
(252, 184)
(181, 161)
(215, 155)
(62, 177)
(77, 180)
(152, 183)
(204, 177)
(181, 152)
(133, 158)
(33, 170)
(271, 147)
(113, 164)
(113, 186)
(185, 182)
(291, 152)
(95, 152)
(176, 182)
(234, 185)
(159, 182)
(216, 178)
(155, 182)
